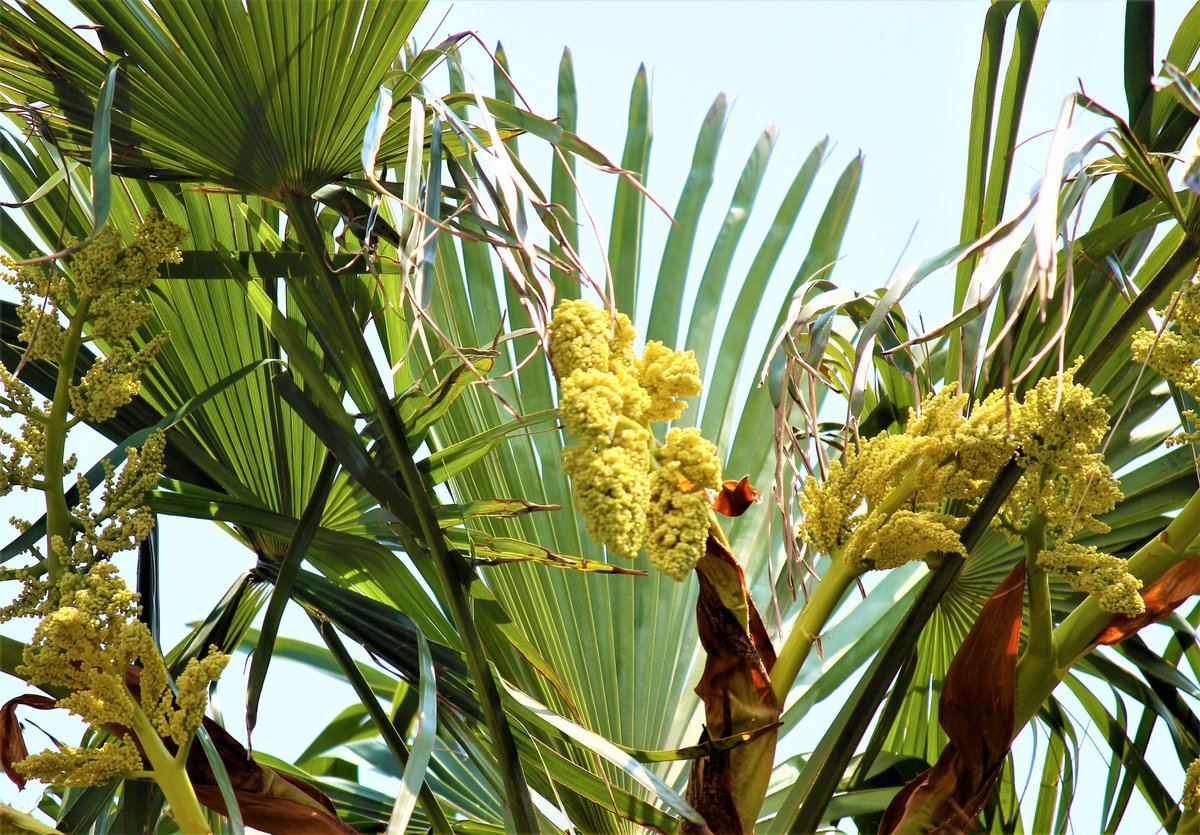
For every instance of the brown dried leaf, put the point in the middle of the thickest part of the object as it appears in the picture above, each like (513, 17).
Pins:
(727, 788)
(736, 497)
(977, 710)
(1162, 597)
(12, 741)
(269, 801)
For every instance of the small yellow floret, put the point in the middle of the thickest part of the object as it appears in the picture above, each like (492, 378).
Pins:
(1100, 575)
(676, 526)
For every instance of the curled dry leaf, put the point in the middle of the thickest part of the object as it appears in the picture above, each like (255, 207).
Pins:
(736, 497)
(12, 741)
(1162, 597)
(977, 710)
(737, 695)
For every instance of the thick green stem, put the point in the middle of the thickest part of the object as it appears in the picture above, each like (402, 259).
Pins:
(824, 600)
(816, 612)
(1037, 677)
(58, 515)
(171, 776)
(522, 817)
(1041, 624)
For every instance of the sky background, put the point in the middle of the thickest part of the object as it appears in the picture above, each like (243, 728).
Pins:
(891, 80)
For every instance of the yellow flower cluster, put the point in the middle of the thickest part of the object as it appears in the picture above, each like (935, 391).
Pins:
(879, 506)
(610, 486)
(1093, 572)
(889, 542)
(123, 521)
(677, 521)
(114, 276)
(1055, 429)
(42, 292)
(607, 398)
(676, 526)
(87, 645)
(1191, 787)
(882, 504)
(113, 381)
(26, 448)
(667, 375)
(80, 767)
(1174, 352)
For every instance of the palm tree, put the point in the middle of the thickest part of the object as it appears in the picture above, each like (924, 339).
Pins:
(419, 498)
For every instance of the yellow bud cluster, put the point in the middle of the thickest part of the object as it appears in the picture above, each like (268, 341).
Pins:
(26, 448)
(879, 506)
(1191, 787)
(692, 458)
(1055, 428)
(180, 722)
(611, 488)
(86, 646)
(43, 294)
(590, 402)
(41, 330)
(667, 375)
(113, 381)
(1174, 352)
(81, 767)
(882, 542)
(581, 337)
(607, 399)
(115, 275)
(676, 525)
(1100, 575)
(123, 521)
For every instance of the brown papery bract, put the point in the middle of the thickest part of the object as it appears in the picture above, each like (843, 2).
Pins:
(977, 711)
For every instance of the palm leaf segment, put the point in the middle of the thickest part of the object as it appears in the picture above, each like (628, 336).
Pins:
(268, 99)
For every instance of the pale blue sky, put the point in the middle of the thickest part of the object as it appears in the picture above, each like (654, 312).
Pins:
(893, 79)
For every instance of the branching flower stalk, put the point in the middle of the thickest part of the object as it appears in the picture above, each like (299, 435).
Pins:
(90, 642)
(1172, 353)
(884, 503)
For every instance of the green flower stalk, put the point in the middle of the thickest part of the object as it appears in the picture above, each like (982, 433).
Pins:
(89, 640)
